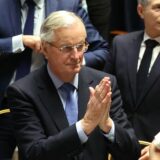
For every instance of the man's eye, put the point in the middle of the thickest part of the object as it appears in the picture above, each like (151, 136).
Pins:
(156, 8)
(79, 47)
(67, 48)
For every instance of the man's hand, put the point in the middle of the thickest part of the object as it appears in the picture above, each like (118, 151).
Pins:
(150, 153)
(106, 122)
(154, 153)
(144, 153)
(33, 42)
(98, 106)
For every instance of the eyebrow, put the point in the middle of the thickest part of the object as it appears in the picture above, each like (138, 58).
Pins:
(70, 44)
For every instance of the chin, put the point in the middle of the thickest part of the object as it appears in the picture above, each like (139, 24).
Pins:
(76, 69)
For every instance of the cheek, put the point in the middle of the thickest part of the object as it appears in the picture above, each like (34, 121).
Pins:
(57, 61)
(81, 58)
(153, 17)
(158, 18)
(150, 20)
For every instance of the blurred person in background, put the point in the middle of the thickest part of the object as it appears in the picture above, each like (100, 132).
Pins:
(135, 61)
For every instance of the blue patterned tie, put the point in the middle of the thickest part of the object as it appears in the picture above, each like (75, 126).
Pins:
(25, 59)
(71, 106)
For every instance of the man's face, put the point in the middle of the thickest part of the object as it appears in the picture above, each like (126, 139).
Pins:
(151, 16)
(63, 62)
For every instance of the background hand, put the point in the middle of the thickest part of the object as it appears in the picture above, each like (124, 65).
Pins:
(33, 42)
(144, 153)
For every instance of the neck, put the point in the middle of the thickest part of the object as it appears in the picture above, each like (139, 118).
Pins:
(66, 78)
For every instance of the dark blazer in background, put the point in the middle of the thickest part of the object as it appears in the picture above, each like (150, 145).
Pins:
(99, 12)
(42, 129)
(143, 112)
(124, 16)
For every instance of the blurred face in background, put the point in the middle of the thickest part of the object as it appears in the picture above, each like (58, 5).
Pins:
(151, 16)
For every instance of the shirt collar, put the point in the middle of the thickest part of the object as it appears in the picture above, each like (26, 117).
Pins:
(58, 83)
(146, 36)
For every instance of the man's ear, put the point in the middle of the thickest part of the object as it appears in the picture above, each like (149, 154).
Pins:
(140, 10)
(44, 49)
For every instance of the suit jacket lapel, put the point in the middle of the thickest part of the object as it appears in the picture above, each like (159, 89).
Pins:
(132, 57)
(83, 93)
(50, 99)
(85, 81)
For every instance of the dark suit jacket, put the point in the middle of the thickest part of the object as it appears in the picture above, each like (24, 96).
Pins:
(143, 112)
(99, 12)
(10, 11)
(42, 129)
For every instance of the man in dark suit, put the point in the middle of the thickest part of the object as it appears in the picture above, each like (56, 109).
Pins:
(38, 102)
(125, 62)
(13, 43)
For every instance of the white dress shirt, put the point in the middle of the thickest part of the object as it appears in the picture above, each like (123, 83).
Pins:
(155, 53)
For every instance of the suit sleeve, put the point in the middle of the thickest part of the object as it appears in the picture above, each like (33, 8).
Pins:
(9, 15)
(33, 141)
(98, 48)
(5, 45)
(126, 144)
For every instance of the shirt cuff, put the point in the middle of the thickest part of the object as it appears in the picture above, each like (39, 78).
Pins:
(17, 44)
(111, 134)
(82, 136)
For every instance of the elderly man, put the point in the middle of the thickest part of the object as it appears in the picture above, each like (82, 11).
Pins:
(20, 49)
(62, 110)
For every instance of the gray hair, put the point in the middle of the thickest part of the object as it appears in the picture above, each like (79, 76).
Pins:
(56, 20)
(143, 2)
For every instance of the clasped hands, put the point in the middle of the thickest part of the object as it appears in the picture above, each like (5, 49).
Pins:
(98, 108)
